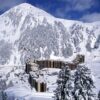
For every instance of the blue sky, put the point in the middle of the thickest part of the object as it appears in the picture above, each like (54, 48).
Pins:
(84, 10)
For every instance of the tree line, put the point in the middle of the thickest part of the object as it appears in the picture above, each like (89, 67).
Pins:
(76, 85)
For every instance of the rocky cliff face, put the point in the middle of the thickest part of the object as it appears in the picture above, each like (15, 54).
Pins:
(28, 32)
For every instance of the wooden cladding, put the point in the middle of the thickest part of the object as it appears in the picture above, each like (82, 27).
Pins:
(28, 68)
(54, 63)
(79, 59)
(39, 86)
(49, 63)
(31, 67)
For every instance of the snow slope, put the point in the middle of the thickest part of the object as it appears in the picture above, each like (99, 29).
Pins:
(24, 94)
(93, 62)
(27, 32)
(24, 29)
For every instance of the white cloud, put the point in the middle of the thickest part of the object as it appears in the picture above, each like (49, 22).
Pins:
(6, 4)
(91, 17)
(75, 5)
(79, 5)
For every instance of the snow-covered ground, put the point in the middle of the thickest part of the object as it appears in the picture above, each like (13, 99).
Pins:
(21, 90)
(95, 69)
(21, 38)
(21, 93)
(93, 62)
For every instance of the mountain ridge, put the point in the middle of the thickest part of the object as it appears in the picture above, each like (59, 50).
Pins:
(29, 32)
(28, 6)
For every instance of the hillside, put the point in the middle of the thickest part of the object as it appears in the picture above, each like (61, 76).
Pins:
(27, 32)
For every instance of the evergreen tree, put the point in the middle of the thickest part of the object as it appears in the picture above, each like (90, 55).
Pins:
(99, 95)
(64, 89)
(83, 84)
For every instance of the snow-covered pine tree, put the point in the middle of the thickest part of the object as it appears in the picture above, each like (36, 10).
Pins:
(64, 82)
(83, 84)
(99, 95)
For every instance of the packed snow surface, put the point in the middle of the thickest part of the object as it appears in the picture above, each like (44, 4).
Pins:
(21, 93)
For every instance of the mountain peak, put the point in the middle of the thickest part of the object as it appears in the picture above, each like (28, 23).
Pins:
(27, 6)
(29, 32)
(30, 9)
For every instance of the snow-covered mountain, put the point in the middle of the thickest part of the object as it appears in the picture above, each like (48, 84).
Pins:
(29, 32)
